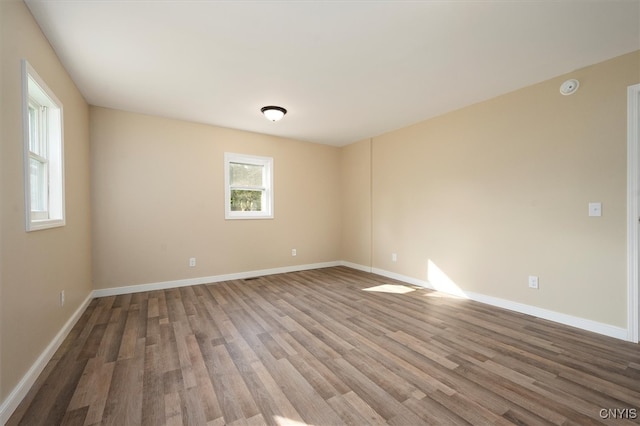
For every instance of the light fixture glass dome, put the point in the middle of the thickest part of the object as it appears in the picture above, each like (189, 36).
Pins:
(273, 113)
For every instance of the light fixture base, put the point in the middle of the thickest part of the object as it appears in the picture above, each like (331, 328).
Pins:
(273, 113)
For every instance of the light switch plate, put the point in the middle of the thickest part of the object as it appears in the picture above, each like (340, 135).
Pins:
(595, 209)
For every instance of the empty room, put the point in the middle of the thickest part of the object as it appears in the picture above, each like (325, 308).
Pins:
(319, 212)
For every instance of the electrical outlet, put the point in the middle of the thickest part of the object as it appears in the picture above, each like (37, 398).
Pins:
(62, 298)
(394, 257)
(294, 252)
(192, 262)
(533, 281)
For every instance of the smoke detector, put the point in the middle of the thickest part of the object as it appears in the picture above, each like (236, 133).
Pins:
(569, 87)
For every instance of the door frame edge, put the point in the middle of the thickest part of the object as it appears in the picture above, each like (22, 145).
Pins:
(633, 211)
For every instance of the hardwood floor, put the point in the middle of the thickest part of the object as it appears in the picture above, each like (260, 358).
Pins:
(315, 348)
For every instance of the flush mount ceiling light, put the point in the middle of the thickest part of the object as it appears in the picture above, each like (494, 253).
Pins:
(569, 87)
(273, 113)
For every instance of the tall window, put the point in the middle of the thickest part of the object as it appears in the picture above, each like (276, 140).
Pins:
(43, 153)
(248, 186)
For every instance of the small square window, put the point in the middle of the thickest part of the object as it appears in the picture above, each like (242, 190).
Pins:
(248, 186)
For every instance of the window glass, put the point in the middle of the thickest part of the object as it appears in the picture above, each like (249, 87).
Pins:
(39, 186)
(248, 187)
(248, 175)
(243, 200)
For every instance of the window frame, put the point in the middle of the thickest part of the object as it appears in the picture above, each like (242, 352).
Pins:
(48, 150)
(267, 188)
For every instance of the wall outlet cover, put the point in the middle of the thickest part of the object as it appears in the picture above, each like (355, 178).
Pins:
(595, 209)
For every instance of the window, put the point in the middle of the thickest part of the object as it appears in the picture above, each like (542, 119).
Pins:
(248, 186)
(43, 153)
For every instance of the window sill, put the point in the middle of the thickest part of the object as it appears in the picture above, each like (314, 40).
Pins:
(247, 217)
(38, 225)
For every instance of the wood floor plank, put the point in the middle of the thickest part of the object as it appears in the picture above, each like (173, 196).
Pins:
(233, 396)
(173, 409)
(153, 409)
(317, 368)
(282, 406)
(363, 409)
(124, 401)
(182, 332)
(204, 387)
(301, 394)
(326, 347)
(432, 413)
(75, 417)
(193, 411)
(349, 415)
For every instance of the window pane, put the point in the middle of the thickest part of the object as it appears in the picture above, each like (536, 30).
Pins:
(39, 187)
(246, 201)
(33, 129)
(246, 175)
(38, 130)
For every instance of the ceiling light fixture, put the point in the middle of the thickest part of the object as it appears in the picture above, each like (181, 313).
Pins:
(273, 113)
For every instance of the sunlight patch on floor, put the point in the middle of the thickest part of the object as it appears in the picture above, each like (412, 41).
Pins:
(283, 421)
(390, 288)
(441, 295)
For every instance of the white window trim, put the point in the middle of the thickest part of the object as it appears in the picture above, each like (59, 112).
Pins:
(267, 162)
(55, 215)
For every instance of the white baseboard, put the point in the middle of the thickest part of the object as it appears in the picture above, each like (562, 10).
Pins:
(356, 266)
(577, 322)
(18, 393)
(208, 280)
(403, 278)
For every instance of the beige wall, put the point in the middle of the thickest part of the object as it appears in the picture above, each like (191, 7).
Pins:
(158, 199)
(498, 191)
(38, 264)
(355, 203)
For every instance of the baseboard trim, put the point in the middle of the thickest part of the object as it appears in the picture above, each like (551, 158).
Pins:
(18, 393)
(356, 266)
(570, 320)
(115, 291)
(577, 322)
(403, 278)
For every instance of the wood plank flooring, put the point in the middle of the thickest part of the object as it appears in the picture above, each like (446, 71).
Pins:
(319, 347)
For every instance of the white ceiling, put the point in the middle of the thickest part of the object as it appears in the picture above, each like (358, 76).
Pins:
(345, 70)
